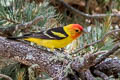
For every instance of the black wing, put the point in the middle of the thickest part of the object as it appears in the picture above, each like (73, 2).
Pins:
(45, 34)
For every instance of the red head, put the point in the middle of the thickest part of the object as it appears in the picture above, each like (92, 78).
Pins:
(77, 26)
(74, 30)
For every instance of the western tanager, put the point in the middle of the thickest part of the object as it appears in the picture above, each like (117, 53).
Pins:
(55, 37)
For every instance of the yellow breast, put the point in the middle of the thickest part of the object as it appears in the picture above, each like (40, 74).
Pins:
(51, 43)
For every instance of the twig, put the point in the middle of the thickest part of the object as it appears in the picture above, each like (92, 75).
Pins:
(5, 77)
(98, 41)
(85, 14)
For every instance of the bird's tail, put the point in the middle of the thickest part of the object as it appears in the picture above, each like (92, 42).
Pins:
(15, 38)
(20, 37)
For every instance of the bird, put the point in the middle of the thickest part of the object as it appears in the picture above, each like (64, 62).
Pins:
(54, 38)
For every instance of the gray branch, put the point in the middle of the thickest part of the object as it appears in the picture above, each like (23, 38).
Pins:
(85, 14)
(28, 55)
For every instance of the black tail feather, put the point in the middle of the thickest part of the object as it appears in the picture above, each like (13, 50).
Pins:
(19, 37)
(14, 38)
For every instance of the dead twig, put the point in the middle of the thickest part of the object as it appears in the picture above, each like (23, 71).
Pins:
(98, 41)
(85, 14)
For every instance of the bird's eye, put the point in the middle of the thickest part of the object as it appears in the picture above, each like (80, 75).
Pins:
(77, 30)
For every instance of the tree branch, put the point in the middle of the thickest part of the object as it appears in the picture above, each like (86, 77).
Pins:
(29, 55)
(85, 14)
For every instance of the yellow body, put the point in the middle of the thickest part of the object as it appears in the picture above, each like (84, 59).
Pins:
(51, 43)
(60, 43)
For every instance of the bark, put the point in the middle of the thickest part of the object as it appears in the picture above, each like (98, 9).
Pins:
(29, 55)
(107, 68)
